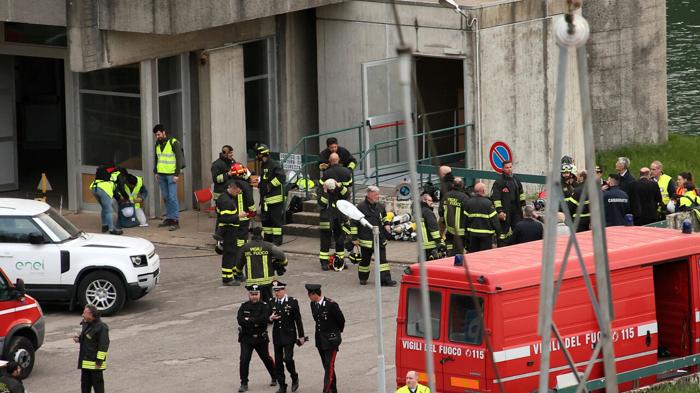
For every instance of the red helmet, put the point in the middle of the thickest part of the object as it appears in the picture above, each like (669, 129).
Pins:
(238, 169)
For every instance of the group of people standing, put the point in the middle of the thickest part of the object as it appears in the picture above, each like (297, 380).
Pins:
(283, 313)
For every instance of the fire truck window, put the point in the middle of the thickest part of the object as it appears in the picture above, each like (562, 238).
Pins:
(465, 324)
(415, 326)
(4, 289)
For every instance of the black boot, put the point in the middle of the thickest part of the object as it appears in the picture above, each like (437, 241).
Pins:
(243, 388)
(295, 382)
(282, 389)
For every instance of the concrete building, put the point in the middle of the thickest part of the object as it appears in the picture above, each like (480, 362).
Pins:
(83, 82)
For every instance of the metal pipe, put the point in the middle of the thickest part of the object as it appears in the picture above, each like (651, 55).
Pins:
(550, 229)
(381, 370)
(405, 63)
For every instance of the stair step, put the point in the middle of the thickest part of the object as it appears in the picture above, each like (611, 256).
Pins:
(310, 205)
(306, 218)
(302, 230)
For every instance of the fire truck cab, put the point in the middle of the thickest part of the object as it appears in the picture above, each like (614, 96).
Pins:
(655, 282)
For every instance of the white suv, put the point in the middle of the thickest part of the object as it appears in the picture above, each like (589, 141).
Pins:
(60, 263)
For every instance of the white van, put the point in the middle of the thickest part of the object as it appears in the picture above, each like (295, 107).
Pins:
(60, 263)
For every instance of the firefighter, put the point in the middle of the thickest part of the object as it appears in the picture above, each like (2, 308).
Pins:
(375, 214)
(94, 343)
(221, 170)
(338, 172)
(331, 221)
(246, 203)
(455, 219)
(252, 334)
(261, 260)
(272, 195)
(228, 220)
(10, 381)
(573, 201)
(346, 158)
(482, 223)
(433, 246)
(508, 198)
(330, 324)
(287, 330)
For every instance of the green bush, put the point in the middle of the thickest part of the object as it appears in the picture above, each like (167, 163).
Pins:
(677, 388)
(680, 154)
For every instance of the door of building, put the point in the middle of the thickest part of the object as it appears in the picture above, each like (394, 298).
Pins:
(8, 131)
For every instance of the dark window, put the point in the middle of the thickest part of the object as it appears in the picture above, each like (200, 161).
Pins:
(415, 326)
(465, 323)
(16, 229)
(25, 33)
(5, 292)
(118, 80)
(255, 58)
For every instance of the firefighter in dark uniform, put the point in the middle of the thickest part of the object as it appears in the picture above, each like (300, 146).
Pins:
(246, 203)
(272, 195)
(94, 344)
(433, 246)
(10, 381)
(573, 202)
(228, 218)
(287, 330)
(508, 199)
(346, 158)
(482, 223)
(375, 214)
(253, 317)
(331, 221)
(330, 323)
(455, 219)
(221, 170)
(261, 260)
(338, 172)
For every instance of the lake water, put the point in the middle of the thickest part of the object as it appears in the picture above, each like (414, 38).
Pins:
(683, 51)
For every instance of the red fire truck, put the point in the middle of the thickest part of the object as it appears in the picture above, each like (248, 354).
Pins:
(655, 280)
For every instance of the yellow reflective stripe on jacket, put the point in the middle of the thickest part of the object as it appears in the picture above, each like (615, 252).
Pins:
(351, 166)
(88, 365)
(664, 181)
(274, 199)
(366, 243)
(427, 244)
(487, 231)
(481, 215)
(522, 196)
(101, 355)
(383, 267)
(497, 203)
(275, 182)
(165, 158)
(504, 236)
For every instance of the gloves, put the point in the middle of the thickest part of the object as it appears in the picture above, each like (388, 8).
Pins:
(323, 166)
(252, 214)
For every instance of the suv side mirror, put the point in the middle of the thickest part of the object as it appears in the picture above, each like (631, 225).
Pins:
(20, 290)
(36, 238)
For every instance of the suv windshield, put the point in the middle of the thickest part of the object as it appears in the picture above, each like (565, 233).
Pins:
(63, 228)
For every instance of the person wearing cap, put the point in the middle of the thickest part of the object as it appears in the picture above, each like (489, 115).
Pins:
(287, 330)
(375, 214)
(94, 344)
(272, 195)
(221, 170)
(346, 158)
(10, 381)
(253, 317)
(169, 160)
(228, 219)
(330, 324)
(261, 260)
(331, 221)
(616, 202)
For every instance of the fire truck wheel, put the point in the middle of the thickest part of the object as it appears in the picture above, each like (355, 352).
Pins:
(104, 290)
(21, 350)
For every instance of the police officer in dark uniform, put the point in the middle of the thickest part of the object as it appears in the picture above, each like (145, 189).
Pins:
(331, 220)
(94, 343)
(272, 195)
(252, 334)
(453, 208)
(330, 323)
(227, 217)
(261, 260)
(287, 330)
(508, 198)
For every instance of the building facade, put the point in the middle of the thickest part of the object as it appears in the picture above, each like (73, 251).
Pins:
(83, 82)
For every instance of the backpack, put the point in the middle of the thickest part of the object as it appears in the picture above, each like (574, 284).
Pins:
(296, 205)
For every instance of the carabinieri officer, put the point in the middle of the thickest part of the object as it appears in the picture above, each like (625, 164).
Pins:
(330, 323)
(287, 330)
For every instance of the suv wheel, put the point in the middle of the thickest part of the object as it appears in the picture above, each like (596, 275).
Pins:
(21, 350)
(103, 290)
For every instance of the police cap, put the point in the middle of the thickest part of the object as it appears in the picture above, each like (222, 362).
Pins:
(313, 288)
(278, 285)
(255, 288)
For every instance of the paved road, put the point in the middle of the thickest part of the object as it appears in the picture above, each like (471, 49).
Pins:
(182, 336)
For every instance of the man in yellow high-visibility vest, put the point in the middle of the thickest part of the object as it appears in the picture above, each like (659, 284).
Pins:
(167, 164)
(666, 184)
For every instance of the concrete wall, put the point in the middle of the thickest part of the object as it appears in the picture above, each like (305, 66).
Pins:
(627, 60)
(42, 12)
(296, 82)
(183, 16)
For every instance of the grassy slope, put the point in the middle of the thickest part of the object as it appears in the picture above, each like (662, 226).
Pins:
(680, 154)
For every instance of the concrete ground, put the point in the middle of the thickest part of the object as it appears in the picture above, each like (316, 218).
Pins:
(182, 337)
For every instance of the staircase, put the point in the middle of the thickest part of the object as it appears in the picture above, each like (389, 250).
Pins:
(305, 223)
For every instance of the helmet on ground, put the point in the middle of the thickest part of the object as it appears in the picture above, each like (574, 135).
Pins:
(336, 263)
(261, 149)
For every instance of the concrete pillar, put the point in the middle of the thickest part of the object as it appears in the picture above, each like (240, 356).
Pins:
(149, 99)
(222, 105)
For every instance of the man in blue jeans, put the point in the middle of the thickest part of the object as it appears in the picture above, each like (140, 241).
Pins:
(103, 189)
(169, 160)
